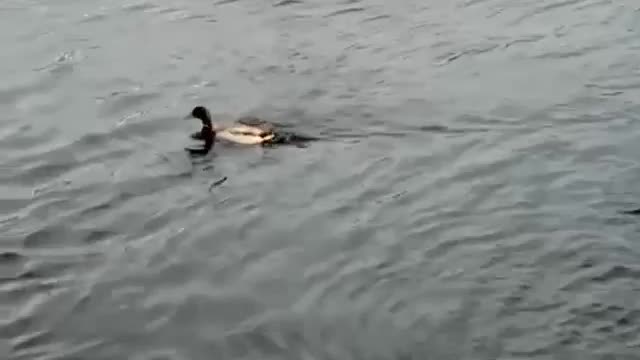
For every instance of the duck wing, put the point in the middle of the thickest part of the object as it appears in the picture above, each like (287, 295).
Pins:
(255, 122)
(251, 121)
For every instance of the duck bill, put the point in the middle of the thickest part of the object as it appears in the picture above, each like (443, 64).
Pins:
(188, 117)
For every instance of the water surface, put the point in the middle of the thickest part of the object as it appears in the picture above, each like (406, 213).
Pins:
(464, 203)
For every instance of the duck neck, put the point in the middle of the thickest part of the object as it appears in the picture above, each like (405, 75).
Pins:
(206, 121)
(208, 135)
(207, 127)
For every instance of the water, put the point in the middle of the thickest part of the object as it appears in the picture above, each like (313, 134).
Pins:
(464, 203)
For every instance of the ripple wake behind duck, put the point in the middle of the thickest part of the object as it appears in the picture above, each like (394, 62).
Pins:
(631, 212)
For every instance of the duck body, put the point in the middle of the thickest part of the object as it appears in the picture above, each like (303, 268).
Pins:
(239, 134)
(244, 131)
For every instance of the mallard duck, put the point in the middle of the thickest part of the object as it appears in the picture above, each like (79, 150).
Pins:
(246, 131)
(237, 133)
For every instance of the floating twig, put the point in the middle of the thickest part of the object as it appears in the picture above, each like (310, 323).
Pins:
(217, 183)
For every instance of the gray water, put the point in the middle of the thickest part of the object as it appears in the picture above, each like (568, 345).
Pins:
(464, 202)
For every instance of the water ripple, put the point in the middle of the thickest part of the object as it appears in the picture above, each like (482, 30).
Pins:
(345, 11)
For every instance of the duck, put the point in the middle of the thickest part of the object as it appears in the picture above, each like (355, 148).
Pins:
(245, 131)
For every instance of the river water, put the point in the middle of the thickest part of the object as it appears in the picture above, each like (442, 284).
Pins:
(464, 201)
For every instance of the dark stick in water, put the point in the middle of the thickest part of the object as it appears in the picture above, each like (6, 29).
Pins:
(217, 183)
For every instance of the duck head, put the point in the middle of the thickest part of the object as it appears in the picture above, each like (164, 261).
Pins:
(201, 113)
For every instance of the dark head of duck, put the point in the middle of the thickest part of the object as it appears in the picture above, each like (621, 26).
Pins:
(207, 133)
